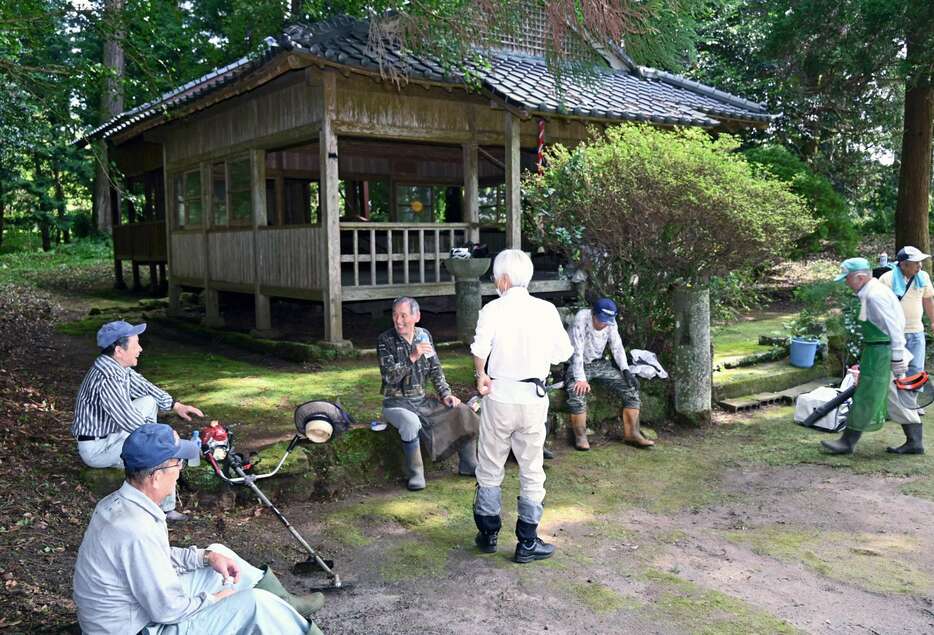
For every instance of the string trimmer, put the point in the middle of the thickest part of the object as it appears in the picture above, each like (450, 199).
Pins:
(317, 422)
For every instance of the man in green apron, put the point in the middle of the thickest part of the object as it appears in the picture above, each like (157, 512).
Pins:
(884, 354)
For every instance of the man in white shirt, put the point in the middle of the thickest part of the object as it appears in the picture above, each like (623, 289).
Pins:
(129, 580)
(518, 338)
(883, 326)
(590, 332)
(912, 286)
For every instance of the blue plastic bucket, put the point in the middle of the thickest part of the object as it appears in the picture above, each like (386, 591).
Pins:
(801, 352)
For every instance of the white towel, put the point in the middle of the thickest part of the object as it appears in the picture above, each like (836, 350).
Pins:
(645, 365)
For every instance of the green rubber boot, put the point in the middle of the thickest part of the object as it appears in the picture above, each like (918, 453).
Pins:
(305, 605)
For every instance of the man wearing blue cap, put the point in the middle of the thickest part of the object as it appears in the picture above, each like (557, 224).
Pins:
(884, 354)
(590, 332)
(114, 400)
(129, 580)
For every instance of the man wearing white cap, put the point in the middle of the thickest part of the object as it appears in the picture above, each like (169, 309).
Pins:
(913, 288)
(883, 326)
(114, 400)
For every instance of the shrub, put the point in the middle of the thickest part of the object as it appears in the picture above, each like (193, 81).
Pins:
(643, 209)
(835, 229)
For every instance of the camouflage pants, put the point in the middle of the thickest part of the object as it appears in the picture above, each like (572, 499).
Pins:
(606, 374)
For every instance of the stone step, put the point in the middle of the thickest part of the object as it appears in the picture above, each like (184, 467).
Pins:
(786, 396)
(767, 377)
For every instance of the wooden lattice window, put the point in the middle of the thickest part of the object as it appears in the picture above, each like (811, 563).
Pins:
(239, 192)
(189, 207)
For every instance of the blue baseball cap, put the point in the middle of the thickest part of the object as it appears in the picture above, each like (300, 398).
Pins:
(604, 310)
(852, 265)
(152, 444)
(113, 331)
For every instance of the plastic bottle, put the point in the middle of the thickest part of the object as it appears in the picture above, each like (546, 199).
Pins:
(423, 337)
(196, 439)
(474, 403)
(883, 259)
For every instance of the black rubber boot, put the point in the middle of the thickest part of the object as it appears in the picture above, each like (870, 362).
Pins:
(845, 444)
(548, 454)
(489, 527)
(913, 444)
(530, 547)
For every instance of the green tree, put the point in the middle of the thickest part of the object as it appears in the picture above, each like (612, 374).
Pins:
(852, 79)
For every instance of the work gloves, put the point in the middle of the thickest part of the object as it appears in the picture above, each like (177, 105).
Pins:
(629, 378)
(899, 367)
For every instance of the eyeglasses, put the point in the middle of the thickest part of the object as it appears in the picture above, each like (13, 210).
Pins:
(181, 465)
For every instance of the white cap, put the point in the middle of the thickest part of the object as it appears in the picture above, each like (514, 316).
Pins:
(911, 254)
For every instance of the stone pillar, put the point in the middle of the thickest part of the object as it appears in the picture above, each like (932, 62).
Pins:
(692, 372)
(467, 274)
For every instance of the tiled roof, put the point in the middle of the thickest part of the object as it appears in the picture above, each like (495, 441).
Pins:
(523, 81)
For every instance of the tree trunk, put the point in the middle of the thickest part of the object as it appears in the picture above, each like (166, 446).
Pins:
(111, 105)
(914, 178)
(42, 202)
(63, 234)
(2, 210)
(295, 9)
(693, 368)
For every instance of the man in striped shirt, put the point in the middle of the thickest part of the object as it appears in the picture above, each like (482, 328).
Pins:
(114, 400)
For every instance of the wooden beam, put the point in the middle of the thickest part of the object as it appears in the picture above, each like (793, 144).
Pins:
(330, 212)
(513, 193)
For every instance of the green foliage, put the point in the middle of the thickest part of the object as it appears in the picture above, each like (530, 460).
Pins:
(733, 294)
(835, 227)
(642, 209)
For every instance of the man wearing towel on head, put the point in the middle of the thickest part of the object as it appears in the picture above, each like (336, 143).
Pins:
(884, 354)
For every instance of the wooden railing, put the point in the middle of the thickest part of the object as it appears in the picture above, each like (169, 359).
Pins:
(385, 254)
(141, 242)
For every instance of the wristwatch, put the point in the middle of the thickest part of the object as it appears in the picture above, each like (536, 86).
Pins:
(478, 374)
(204, 559)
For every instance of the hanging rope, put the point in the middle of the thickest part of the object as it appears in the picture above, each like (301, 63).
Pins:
(541, 146)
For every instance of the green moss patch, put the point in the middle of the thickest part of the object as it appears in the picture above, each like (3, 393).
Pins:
(600, 598)
(702, 610)
(881, 563)
(741, 339)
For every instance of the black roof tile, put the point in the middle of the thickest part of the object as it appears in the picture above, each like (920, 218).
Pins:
(631, 94)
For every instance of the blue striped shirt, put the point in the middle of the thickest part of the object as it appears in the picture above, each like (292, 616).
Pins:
(103, 404)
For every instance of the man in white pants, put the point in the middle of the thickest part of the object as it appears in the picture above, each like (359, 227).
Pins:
(517, 340)
(114, 400)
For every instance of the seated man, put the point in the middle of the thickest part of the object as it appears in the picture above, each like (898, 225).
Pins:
(407, 360)
(114, 400)
(590, 332)
(129, 580)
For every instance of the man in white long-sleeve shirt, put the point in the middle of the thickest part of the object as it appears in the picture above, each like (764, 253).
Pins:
(884, 354)
(129, 580)
(518, 338)
(591, 331)
(114, 400)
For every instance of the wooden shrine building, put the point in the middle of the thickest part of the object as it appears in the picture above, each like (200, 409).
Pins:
(306, 173)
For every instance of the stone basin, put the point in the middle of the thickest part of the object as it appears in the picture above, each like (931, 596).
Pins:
(468, 268)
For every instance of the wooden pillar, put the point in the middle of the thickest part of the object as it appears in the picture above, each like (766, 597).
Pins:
(212, 312)
(153, 279)
(471, 191)
(115, 220)
(365, 199)
(137, 285)
(513, 194)
(330, 213)
(258, 185)
(170, 219)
